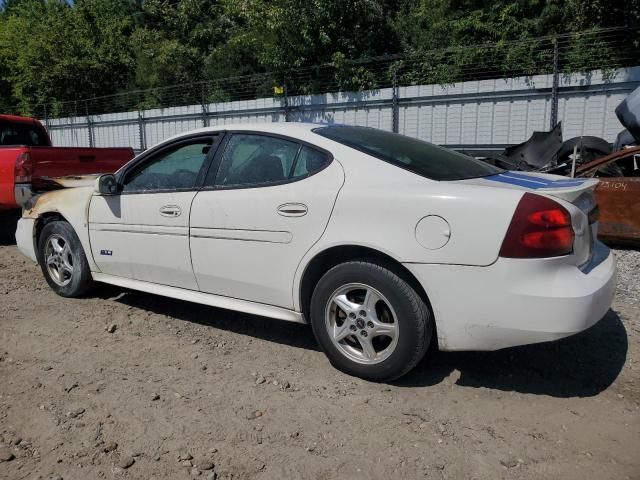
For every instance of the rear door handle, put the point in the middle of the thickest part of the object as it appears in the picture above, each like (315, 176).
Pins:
(293, 210)
(170, 211)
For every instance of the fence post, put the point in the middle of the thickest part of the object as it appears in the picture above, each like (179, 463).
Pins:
(46, 117)
(205, 107)
(556, 82)
(286, 101)
(143, 140)
(89, 123)
(395, 119)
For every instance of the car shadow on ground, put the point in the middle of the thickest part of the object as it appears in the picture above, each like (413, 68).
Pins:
(286, 333)
(8, 224)
(582, 365)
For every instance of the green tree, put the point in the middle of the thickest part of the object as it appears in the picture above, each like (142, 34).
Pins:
(61, 51)
(289, 34)
(54, 51)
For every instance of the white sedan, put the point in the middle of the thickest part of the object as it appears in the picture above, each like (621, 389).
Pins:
(384, 243)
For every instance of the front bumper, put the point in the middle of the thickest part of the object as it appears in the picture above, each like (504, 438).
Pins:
(517, 301)
(25, 239)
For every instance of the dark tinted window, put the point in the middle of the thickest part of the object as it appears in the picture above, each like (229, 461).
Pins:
(176, 168)
(22, 134)
(417, 156)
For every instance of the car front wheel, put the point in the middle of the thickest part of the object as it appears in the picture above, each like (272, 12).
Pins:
(369, 321)
(63, 260)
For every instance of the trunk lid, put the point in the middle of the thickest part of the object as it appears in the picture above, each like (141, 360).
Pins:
(568, 189)
(577, 191)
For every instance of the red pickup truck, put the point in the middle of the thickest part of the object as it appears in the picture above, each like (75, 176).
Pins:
(27, 159)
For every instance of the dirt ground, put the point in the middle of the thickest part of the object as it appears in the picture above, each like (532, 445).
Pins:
(185, 391)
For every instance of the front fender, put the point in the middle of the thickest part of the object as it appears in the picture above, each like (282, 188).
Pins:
(72, 204)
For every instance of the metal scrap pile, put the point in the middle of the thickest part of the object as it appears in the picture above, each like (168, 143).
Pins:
(618, 166)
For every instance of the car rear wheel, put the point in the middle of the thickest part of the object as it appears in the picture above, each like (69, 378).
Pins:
(63, 260)
(369, 321)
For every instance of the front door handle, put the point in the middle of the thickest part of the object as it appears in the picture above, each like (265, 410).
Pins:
(170, 211)
(293, 210)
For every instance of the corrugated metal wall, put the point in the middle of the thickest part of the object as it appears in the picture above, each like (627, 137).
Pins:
(466, 114)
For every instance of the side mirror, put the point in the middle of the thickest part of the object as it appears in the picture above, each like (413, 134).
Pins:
(107, 184)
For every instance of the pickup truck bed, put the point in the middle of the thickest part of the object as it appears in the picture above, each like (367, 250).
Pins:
(27, 159)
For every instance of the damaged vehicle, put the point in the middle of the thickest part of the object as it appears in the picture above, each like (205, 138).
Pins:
(385, 244)
(618, 194)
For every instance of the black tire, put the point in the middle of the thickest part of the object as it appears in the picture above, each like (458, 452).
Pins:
(414, 319)
(80, 278)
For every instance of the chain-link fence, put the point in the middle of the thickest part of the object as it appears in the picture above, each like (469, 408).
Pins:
(542, 68)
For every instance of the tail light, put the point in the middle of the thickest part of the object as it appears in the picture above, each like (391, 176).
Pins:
(540, 227)
(23, 168)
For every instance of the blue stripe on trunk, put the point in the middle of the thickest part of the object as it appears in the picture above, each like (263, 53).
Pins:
(534, 183)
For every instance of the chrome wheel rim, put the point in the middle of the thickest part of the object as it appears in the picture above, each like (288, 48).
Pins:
(361, 323)
(58, 259)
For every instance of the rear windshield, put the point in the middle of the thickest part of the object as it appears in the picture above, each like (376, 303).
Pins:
(18, 133)
(417, 156)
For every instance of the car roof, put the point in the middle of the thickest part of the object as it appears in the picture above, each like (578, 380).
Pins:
(279, 128)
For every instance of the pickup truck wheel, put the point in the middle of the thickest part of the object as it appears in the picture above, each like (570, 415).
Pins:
(63, 260)
(369, 321)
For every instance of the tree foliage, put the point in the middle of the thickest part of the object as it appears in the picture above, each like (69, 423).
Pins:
(56, 50)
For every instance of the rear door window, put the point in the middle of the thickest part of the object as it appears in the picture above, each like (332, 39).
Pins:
(256, 159)
(251, 160)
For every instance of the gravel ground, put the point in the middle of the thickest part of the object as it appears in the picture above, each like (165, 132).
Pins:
(130, 385)
(629, 276)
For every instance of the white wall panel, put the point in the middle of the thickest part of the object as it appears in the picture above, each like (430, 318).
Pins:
(486, 112)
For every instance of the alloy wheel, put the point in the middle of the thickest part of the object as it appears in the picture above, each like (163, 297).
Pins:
(58, 259)
(362, 323)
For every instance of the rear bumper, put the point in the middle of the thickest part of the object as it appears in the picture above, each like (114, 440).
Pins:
(24, 238)
(517, 302)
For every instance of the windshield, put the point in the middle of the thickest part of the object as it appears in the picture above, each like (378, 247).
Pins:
(417, 156)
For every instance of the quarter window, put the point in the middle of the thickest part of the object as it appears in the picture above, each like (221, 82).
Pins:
(309, 161)
(174, 169)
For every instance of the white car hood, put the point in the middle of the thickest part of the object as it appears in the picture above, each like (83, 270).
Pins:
(73, 181)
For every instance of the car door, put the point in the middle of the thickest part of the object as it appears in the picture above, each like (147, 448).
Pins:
(266, 201)
(143, 232)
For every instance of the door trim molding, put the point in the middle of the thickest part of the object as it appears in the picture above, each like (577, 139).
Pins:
(182, 231)
(271, 236)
